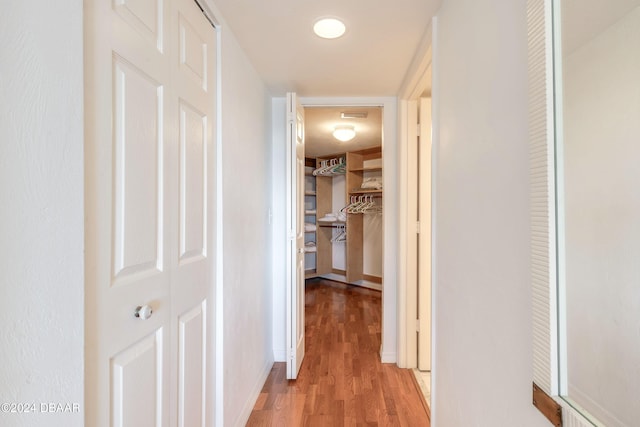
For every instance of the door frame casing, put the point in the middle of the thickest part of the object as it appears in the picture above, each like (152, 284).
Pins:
(412, 88)
(388, 349)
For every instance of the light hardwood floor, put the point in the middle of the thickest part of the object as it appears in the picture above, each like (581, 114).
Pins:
(341, 381)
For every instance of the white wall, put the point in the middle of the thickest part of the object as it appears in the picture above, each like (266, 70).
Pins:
(246, 162)
(483, 335)
(601, 93)
(41, 210)
(279, 203)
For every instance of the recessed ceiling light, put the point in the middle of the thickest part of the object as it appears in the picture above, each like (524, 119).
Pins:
(329, 28)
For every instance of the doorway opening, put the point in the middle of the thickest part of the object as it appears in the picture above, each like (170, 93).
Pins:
(335, 333)
(416, 240)
(343, 195)
(386, 158)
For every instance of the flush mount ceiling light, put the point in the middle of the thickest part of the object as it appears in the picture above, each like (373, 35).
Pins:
(344, 133)
(329, 28)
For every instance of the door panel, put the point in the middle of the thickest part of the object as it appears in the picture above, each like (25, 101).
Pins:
(192, 367)
(139, 364)
(127, 224)
(193, 53)
(194, 44)
(138, 121)
(295, 244)
(193, 182)
(300, 272)
(144, 16)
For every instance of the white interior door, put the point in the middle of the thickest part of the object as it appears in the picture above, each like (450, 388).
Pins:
(413, 218)
(424, 237)
(149, 106)
(192, 144)
(295, 243)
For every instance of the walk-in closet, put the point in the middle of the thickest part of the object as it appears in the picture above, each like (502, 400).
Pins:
(343, 195)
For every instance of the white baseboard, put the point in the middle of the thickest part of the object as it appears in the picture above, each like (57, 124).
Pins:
(253, 396)
(362, 283)
(388, 357)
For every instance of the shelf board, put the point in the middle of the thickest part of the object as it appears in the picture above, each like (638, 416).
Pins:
(366, 192)
(309, 193)
(331, 223)
(372, 169)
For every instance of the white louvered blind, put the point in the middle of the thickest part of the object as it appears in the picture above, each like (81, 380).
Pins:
(542, 200)
(543, 272)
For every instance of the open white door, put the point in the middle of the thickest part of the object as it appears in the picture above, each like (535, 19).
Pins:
(424, 237)
(295, 235)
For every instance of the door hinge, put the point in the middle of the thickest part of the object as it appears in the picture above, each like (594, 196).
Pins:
(417, 227)
(418, 129)
(292, 354)
(417, 325)
(290, 117)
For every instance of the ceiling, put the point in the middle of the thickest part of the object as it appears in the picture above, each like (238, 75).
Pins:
(371, 59)
(320, 122)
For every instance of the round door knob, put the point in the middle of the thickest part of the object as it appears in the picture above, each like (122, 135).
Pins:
(143, 312)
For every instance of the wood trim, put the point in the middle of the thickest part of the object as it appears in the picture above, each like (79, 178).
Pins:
(331, 156)
(340, 272)
(366, 192)
(549, 407)
(374, 279)
(370, 153)
(310, 274)
(354, 221)
(367, 153)
(324, 191)
(368, 169)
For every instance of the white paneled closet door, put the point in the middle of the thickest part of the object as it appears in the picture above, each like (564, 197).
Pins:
(150, 115)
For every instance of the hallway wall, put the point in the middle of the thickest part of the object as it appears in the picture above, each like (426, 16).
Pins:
(41, 210)
(42, 217)
(247, 180)
(483, 356)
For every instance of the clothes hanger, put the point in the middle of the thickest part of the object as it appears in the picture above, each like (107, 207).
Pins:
(323, 164)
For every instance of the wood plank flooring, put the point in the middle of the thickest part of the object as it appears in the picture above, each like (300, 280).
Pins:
(341, 381)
